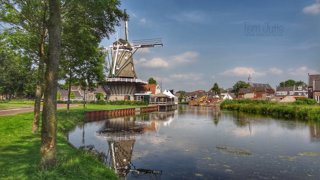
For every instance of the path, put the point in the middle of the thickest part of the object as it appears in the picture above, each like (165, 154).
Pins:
(14, 111)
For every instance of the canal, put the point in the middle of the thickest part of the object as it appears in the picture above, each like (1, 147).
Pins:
(203, 143)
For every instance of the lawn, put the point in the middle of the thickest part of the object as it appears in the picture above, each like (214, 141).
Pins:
(19, 149)
(16, 104)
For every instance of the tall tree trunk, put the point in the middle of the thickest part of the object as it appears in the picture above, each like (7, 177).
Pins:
(69, 91)
(49, 116)
(84, 98)
(40, 75)
(39, 88)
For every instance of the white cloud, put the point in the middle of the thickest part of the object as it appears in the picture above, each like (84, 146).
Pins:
(242, 72)
(312, 9)
(154, 63)
(301, 71)
(185, 57)
(275, 71)
(187, 76)
(158, 62)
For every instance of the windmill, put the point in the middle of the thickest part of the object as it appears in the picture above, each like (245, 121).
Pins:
(122, 81)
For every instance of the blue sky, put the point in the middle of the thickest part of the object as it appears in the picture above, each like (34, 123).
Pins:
(211, 41)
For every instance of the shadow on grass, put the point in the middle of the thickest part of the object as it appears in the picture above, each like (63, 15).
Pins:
(19, 160)
(20, 151)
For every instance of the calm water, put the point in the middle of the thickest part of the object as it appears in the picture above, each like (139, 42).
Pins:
(201, 143)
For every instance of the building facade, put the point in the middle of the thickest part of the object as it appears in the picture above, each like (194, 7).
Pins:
(314, 87)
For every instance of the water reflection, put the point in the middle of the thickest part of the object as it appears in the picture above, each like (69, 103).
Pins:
(120, 134)
(203, 143)
(314, 132)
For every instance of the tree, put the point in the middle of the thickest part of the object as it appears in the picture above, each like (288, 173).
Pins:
(300, 83)
(238, 85)
(85, 24)
(28, 33)
(215, 89)
(72, 95)
(152, 81)
(99, 96)
(17, 73)
(290, 83)
(182, 95)
(49, 116)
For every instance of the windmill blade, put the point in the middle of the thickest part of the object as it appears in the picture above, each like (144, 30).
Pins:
(147, 43)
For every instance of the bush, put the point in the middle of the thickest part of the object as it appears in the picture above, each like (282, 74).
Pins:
(99, 96)
(303, 109)
(305, 101)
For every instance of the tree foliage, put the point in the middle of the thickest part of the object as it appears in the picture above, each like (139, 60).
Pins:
(17, 73)
(152, 81)
(85, 24)
(290, 83)
(238, 85)
(215, 89)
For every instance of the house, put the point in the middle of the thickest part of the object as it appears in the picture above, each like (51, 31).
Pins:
(153, 88)
(314, 87)
(195, 95)
(78, 94)
(75, 95)
(298, 91)
(256, 91)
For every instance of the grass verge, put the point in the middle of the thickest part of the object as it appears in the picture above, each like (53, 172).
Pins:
(278, 110)
(19, 149)
(16, 104)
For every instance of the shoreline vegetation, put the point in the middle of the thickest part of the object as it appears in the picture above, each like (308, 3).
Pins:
(301, 110)
(19, 148)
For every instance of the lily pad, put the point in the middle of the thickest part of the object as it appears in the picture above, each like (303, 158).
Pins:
(234, 151)
(312, 154)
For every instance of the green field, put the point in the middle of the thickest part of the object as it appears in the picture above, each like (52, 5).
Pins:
(19, 149)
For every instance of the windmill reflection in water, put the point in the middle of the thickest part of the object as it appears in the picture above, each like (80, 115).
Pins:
(121, 135)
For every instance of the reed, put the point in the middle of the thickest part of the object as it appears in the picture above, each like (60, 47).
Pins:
(302, 111)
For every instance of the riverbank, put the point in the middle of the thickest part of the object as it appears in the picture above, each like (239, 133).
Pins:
(19, 149)
(274, 109)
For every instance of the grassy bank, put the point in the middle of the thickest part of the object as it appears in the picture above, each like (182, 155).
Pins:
(19, 149)
(16, 104)
(279, 110)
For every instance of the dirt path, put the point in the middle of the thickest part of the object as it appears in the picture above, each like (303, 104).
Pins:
(14, 111)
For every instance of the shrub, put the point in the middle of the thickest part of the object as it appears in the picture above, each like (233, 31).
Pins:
(304, 109)
(305, 101)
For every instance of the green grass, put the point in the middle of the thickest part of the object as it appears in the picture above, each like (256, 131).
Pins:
(16, 104)
(278, 110)
(19, 149)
